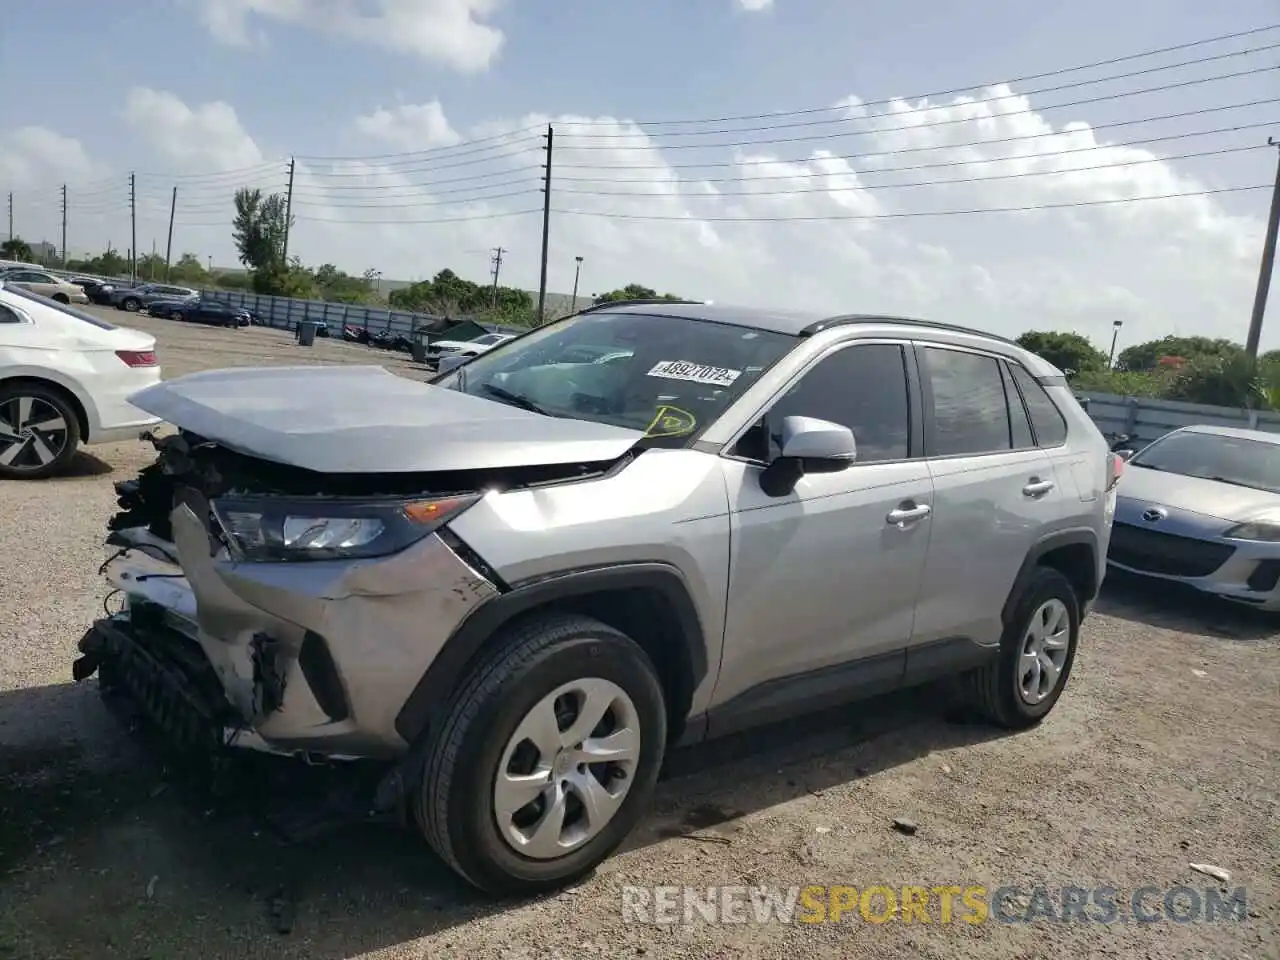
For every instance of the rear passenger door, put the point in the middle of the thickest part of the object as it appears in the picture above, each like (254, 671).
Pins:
(994, 492)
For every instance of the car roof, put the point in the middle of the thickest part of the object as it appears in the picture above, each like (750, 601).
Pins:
(796, 323)
(1242, 433)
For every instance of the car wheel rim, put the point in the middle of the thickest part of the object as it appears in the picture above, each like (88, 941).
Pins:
(1044, 651)
(33, 433)
(567, 768)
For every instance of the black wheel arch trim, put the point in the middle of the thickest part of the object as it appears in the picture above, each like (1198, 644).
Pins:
(1043, 547)
(432, 692)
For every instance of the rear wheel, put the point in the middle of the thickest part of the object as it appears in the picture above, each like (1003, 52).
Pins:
(39, 432)
(176, 316)
(60, 298)
(131, 304)
(1038, 648)
(547, 758)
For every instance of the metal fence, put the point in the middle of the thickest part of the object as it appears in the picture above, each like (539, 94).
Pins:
(1145, 419)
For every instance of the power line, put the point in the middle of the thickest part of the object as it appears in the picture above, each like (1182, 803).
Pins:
(449, 153)
(907, 214)
(934, 123)
(497, 215)
(419, 203)
(441, 149)
(975, 102)
(701, 164)
(1205, 41)
(858, 187)
(1147, 141)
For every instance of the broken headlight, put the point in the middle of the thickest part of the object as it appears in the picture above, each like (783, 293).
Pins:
(282, 529)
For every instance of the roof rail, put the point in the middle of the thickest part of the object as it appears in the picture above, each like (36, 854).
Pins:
(846, 320)
(650, 301)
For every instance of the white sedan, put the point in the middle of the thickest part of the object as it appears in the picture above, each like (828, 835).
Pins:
(64, 379)
(468, 348)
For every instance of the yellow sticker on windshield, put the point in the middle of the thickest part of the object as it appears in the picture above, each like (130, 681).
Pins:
(671, 422)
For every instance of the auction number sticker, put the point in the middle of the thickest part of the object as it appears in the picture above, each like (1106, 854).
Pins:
(694, 373)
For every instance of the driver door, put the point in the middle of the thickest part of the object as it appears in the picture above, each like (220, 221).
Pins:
(822, 583)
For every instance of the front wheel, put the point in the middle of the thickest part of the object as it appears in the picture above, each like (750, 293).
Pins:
(547, 758)
(1019, 688)
(131, 304)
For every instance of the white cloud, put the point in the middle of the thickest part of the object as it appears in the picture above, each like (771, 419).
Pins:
(411, 126)
(33, 155)
(451, 32)
(761, 227)
(755, 5)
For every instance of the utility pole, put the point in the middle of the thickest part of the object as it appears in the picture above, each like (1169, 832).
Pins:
(577, 271)
(1268, 262)
(288, 216)
(10, 214)
(64, 226)
(168, 247)
(546, 228)
(497, 267)
(133, 229)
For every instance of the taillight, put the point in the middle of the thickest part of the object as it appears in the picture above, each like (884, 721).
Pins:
(138, 358)
(1115, 472)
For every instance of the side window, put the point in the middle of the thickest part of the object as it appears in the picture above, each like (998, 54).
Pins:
(862, 387)
(8, 316)
(1019, 425)
(1046, 418)
(969, 411)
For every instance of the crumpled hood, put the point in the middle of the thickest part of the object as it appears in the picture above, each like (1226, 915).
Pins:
(346, 419)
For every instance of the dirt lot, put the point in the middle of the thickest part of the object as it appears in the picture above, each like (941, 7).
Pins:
(1162, 754)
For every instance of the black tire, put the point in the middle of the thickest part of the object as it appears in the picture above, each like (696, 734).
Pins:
(24, 468)
(60, 298)
(454, 801)
(992, 690)
(130, 304)
(176, 317)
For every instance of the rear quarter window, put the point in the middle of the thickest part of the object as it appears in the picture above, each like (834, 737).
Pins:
(1046, 419)
(62, 308)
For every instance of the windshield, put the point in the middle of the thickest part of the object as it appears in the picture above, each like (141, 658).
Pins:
(1211, 456)
(489, 338)
(60, 307)
(669, 377)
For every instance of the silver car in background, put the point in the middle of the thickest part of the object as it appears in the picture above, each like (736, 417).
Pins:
(1202, 506)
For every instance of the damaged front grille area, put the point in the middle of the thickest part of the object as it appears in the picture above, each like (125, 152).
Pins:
(163, 673)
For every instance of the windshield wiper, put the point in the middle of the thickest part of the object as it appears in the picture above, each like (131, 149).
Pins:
(515, 399)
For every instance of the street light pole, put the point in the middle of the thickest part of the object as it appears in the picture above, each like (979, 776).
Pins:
(1115, 333)
(577, 271)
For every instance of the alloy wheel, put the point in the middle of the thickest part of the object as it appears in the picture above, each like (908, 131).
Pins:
(33, 433)
(567, 768)
(1044, 651)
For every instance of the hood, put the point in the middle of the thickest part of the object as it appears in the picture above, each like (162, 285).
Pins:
(346, 419)
(1209, 498)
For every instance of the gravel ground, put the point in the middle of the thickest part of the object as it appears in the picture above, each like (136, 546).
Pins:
(1163, 753)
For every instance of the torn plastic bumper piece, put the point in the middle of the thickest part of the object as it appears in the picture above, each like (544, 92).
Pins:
(163, 674)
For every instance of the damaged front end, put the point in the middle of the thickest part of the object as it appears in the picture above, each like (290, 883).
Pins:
(283, 610)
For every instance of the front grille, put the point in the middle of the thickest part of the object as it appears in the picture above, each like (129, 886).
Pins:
(1166, 553)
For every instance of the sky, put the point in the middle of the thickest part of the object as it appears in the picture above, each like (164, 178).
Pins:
(818, 154)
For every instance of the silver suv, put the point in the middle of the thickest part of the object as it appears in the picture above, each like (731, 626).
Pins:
(641, 526)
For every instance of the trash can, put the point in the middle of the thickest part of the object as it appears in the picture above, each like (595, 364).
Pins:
(418, 345)
(306, 333)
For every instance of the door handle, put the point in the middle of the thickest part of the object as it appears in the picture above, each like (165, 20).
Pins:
(901, 516)
(1037, 487)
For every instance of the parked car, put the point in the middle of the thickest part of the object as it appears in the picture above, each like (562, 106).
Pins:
(1201, 505)
(64, 379)
(98, 291)
(133, 299)
(201, 310)
(45, 284)
(519, 585)
(439, 349)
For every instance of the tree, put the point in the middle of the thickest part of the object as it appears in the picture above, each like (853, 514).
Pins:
(634, 291)
(259, 230)
(449, 295)
(1069, 352)
(16, 249)
(190, 271)
(1231, 380)
(1148, 356)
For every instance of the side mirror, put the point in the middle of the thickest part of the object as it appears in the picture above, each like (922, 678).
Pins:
(448, 363)
(1124, 454)
(809, 445)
